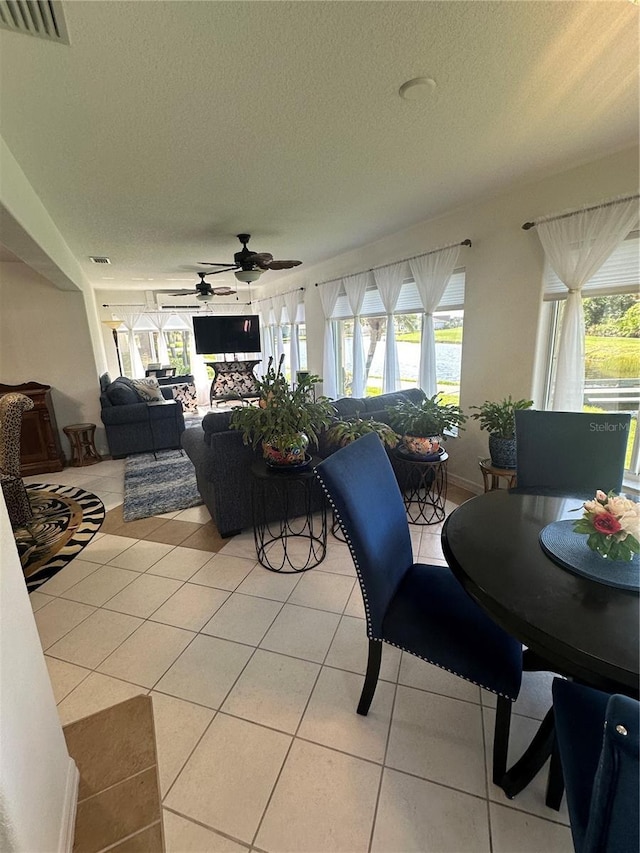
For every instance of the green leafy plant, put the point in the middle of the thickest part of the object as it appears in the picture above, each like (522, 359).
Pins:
(345, 431)
(283, 411)
(499, 418)
(428, 418)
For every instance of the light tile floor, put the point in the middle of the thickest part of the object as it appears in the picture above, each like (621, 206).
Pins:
(255, 678)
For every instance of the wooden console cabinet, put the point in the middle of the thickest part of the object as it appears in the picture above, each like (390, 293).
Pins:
(40, 449)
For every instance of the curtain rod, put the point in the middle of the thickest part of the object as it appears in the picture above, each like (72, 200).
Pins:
(286, 292)
(164, 307)
(528, 225)
(466, 242)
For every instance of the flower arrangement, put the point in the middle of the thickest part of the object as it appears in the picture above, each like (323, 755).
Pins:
(612, 523)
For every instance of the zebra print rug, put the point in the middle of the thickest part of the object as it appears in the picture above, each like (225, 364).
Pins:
(65, 519)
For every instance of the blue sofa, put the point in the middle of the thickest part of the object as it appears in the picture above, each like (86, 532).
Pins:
(223, 462)
(135, 426)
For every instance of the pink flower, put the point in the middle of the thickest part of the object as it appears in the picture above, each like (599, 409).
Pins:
(601, 496)
(606, 523)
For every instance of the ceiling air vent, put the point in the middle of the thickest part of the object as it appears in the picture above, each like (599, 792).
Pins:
(42, 18)
(95, 259)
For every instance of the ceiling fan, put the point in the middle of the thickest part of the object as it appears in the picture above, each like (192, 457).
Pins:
(203, 290)
(249, 266)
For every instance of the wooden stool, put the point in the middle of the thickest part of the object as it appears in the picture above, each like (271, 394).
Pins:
(491, 475)
(83, 449)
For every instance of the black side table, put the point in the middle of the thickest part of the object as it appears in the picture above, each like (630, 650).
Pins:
(289, 536)
(425, 487)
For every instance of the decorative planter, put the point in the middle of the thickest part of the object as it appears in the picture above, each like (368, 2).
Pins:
(502, 451)
(419, 445)
(289, 451)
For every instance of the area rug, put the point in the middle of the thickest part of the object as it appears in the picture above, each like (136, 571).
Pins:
(65, 520)
(155, 486)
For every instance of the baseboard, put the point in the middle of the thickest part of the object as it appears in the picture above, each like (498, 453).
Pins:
(455, 480)
(69, 807)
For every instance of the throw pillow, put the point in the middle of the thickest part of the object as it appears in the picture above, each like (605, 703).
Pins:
(148, 389)
(120, 394)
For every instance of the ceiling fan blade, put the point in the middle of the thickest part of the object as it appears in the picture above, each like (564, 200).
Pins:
(223, 291)
(282, 265)
(229, 268)
(179, 292)
(211, 264)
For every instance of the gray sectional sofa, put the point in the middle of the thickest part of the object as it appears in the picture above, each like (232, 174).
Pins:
(223, 462)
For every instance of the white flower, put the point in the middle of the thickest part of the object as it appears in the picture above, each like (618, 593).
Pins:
(593, 507)
(601, 496)
(630, 522)
(618, 506)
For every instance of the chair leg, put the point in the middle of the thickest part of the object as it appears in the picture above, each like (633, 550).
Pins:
(555, 780)
(501, 738)
(371, 678)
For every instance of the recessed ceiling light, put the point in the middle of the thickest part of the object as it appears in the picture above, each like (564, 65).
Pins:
(417, 89)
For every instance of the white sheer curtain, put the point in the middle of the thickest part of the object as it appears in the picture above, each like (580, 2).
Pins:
(266, 338)
(277, 303)
(431, 274)
(160, 322)
(389, 282)
(328, 298)
(130, 320)
(576, 246)
(292, 301)
(355, 287)
(198, 367)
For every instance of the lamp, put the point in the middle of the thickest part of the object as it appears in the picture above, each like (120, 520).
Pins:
(114, 325)
(248, 275)
(204, 297)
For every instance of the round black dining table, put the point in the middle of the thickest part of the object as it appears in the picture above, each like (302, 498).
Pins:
(571, 625)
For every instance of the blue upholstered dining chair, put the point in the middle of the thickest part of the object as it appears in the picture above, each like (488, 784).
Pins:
(570, 452)
(597, 739)
(418, 608)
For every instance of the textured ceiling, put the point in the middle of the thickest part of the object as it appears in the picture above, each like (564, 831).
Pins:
(166, 128)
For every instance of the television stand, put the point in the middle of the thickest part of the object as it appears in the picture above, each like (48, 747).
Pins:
(233, 380)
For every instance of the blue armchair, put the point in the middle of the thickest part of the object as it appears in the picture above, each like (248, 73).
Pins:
(134, 425)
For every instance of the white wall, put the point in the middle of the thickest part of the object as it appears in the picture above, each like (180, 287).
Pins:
(44, 337)
(503, 284)
(38, 781)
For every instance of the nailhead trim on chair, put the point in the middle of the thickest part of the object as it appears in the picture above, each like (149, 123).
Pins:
(368, 613)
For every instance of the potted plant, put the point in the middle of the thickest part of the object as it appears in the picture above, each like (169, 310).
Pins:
(286, 419)
(500, 422)
(343, 432)
(423, 425)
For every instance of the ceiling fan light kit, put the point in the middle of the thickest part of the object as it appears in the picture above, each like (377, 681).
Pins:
(248, 275)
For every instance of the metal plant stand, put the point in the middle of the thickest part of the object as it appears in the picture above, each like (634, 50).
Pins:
(425, 487)
(290, 535)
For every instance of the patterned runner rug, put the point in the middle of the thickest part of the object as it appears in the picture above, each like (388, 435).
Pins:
(152, 487)
(65, 519)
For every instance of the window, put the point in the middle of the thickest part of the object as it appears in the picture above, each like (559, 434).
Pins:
(448, 321)
(178, 346)
(612, 337)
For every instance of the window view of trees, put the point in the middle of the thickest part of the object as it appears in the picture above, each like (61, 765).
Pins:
(408, 333)
(147, 343)
(612, 356)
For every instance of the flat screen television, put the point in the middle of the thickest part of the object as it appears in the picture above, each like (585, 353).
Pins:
(227, 334)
